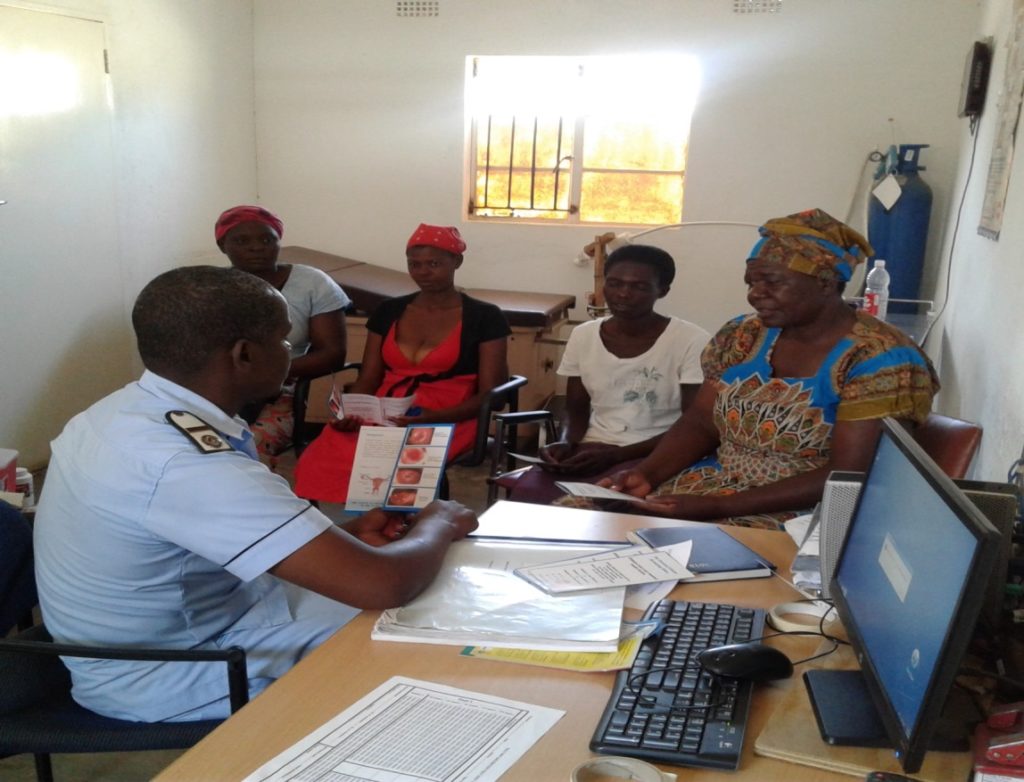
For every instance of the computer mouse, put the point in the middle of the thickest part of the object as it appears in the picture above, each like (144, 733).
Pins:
(752, 660)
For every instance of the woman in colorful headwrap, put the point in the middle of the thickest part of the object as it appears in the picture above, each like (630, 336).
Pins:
(790, 393)
(440, 346)
(250, 236)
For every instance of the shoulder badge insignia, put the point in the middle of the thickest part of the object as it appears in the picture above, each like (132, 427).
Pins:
(203, 436)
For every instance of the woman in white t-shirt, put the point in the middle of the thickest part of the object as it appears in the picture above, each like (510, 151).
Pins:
(630, 376)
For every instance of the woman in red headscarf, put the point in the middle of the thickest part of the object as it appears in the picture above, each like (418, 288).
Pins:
(250, 236)
(440, 346)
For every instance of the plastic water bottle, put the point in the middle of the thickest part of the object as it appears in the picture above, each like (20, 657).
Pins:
(876, 291)
(25, 484)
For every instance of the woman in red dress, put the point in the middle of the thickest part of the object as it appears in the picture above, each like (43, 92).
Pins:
(440, 346)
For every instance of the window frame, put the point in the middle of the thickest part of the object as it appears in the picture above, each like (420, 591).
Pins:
(573, 212)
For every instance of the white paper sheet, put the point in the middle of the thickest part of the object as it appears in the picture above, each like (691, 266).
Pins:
(595, 492)
(622, 567)
(408, 730)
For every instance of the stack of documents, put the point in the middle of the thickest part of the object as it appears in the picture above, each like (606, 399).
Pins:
(477, 600)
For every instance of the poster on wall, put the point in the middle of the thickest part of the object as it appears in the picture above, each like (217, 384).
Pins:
(1008, 115)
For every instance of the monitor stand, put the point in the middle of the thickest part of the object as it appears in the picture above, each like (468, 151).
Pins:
(846, 715)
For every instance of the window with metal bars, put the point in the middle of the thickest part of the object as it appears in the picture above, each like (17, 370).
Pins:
(579, 140)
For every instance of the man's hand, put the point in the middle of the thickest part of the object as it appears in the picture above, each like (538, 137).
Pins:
(378, 527)
(460, 518)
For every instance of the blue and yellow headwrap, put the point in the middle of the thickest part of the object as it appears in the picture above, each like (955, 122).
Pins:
(813, 243)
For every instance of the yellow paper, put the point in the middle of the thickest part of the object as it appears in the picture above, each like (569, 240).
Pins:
(583, 662)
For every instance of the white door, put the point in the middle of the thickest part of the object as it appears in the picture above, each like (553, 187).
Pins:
(64, 333)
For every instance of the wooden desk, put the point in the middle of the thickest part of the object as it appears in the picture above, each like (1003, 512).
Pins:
(349, 665)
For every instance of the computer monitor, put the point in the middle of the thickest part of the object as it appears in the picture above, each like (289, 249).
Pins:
(908, 586)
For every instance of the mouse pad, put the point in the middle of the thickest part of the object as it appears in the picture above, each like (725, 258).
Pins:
(791, 734)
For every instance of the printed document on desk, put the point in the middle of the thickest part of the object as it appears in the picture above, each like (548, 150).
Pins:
(411, 731)
(477, 600)
(623, 567)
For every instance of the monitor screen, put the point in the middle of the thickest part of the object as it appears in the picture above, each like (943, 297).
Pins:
(909, 583)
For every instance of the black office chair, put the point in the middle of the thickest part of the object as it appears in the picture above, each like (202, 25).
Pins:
(305, 432)
(17, 579)
(504, 472)
(487, 447)
(39, 716)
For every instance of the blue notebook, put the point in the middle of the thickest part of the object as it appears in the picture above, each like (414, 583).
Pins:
(716, 555)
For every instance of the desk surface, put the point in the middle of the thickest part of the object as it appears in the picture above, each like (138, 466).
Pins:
(349, 665)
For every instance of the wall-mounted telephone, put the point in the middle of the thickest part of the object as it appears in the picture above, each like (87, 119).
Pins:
(975, 83)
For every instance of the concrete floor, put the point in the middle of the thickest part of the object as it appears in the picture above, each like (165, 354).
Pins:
(468, 485)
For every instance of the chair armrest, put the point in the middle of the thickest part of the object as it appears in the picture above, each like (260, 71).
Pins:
(524, 416)
(504, 395)
(234, 656)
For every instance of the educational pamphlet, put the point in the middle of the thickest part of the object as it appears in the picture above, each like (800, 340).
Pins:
(372, 409)
(398, 468)
(716, 555)
(595, 492)
(526, 458)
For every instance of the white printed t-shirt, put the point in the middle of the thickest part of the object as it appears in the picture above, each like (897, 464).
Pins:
(633, 399)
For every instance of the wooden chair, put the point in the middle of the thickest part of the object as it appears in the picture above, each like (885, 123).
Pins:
(951, 442)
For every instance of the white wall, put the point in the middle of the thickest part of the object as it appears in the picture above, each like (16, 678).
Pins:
(359, 127)
(181, 83)
(359, 118)
(982, 344)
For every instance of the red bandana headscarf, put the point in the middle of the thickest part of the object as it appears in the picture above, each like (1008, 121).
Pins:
(246, 214)
(442, 237)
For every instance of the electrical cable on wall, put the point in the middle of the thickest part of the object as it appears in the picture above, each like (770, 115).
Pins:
(975, 122)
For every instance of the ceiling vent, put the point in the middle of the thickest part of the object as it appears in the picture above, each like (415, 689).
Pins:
(418, 8)
(757, 6)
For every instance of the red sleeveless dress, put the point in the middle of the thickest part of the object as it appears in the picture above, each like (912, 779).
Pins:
(325, 467)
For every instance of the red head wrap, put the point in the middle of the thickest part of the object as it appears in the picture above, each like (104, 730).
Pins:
(246, 214)
(442, 237)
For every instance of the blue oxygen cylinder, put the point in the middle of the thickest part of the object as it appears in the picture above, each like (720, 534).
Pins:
(899, 235)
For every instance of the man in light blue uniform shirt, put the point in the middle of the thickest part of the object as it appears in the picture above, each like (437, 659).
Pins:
(157, 527)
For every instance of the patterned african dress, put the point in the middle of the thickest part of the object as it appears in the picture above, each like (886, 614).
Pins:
(771, 428)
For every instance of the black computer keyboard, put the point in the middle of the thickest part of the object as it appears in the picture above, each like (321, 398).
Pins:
(651, 713)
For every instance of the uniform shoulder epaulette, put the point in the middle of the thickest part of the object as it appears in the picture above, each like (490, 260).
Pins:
(203, 436)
